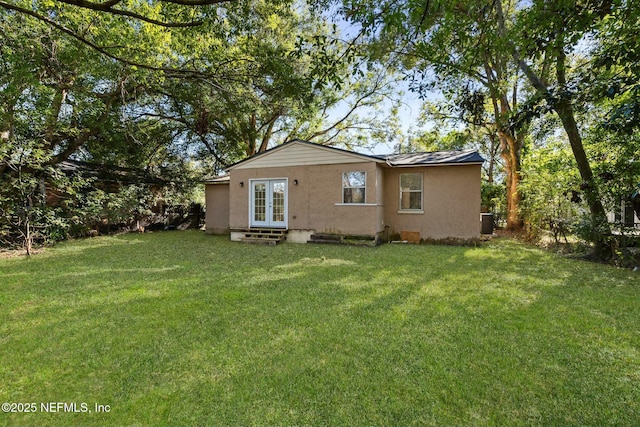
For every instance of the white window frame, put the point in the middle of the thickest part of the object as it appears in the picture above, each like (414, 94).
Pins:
(402, 190)
(364, 201)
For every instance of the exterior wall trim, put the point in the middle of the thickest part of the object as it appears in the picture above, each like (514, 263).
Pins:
(410, 212)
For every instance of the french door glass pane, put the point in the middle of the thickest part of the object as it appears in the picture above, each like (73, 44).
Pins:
(260, 202)
(278, 189)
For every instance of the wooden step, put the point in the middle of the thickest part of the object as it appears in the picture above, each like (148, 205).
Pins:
(264, 236)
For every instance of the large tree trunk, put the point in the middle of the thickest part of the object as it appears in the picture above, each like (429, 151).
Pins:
(511, 155)
(565, 112)
(511, 148)
(251, 135)
(598, 215)
(492, 162)
(564, 109)
(8, 129)
(510, 144)
(56, 105)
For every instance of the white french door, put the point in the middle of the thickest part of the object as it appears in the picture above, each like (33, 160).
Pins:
(268, 207)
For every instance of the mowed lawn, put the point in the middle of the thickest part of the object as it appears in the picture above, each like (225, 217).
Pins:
(181, 328)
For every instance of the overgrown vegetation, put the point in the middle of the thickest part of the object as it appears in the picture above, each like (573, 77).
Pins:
(43, 205)
(551, 185)
(170, 89)
(181, 328)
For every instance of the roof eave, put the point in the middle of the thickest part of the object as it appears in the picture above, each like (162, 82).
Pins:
(215, 182)
(221, 180)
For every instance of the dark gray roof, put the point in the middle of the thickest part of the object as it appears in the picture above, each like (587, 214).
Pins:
(433, 158)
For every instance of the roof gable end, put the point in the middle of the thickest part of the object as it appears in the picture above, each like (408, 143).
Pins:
(301, 153)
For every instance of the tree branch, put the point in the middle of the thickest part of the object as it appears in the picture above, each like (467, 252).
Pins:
(534, 79)
(171, 72)
(356, 105)
(267, 135)
(108, 8)
(451, 65)
(211, 149)
(423, 17)
(197, 2)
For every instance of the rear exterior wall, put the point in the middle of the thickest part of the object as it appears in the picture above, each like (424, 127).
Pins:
(451, 202)
(315, 203)
(217, 213)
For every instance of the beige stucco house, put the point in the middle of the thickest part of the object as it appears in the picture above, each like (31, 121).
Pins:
(308, 189)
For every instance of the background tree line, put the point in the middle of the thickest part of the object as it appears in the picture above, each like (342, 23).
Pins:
(175, 89)
(548, 90)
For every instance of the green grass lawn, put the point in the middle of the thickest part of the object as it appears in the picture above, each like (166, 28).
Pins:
(181, 328)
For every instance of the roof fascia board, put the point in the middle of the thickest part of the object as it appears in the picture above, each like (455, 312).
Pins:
(216, 182)
(418, 165)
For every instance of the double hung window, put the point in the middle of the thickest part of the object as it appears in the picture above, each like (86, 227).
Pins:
(411, 192)
(354, 187)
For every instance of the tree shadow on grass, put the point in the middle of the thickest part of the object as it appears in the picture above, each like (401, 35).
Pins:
(212, 332)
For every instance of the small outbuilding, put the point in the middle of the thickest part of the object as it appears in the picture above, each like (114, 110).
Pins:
(304, 190)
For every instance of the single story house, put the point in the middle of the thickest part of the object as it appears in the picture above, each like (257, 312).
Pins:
(306, 189)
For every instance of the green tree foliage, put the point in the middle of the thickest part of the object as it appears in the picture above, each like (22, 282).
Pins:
(455, 49)
(617, 168)
(162, 86)
(102, 27)
(541, 42)
(612, 77)
(25, 217)
(552, 199)
(285, 93)
(584, 68)
(59, 99)
(441, 119)
(478, 49)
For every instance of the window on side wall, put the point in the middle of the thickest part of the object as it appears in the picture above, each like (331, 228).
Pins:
(411, 192)
(354, 186)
